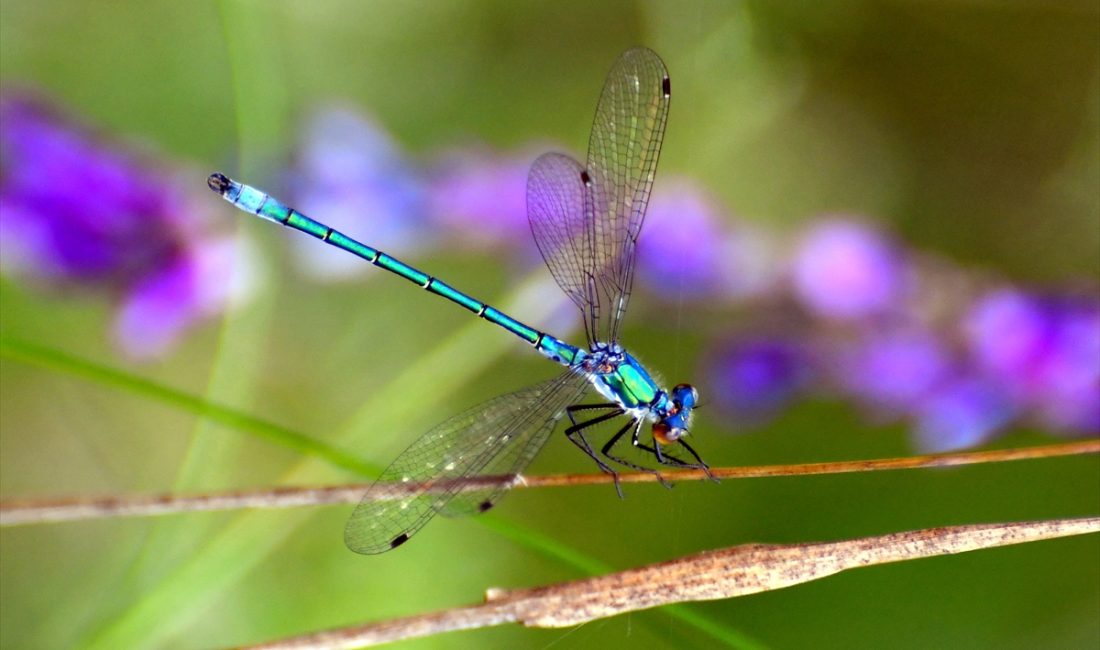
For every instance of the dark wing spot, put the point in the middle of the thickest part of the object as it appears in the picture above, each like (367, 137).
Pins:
(585, 178)
(399, 540)
(484, 505)
(666, 86)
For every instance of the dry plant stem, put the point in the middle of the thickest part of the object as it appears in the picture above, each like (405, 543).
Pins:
(33, 511)
(726, 573)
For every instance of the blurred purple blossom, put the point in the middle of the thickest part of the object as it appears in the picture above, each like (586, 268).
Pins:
(352, 174)
(754, 377)
(481, 197)
(682, 245)
(76, 210)
(962, 412)
(1071, 395)
(1009, 334)
(690, 248)
(1044, 351)
(892, 369)
(845, 270)
(160, 306)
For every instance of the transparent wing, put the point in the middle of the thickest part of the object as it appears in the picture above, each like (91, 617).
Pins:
(501, 435)
(622, 159)
(528, 437)
(559, 223)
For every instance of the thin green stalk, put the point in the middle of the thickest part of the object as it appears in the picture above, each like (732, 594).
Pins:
(52, 359)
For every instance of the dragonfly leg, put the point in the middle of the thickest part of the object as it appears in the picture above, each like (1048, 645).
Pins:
(575, 434)
(571, 410)
(668, 459)
(663, 458)
(699, 461)
(636, 424)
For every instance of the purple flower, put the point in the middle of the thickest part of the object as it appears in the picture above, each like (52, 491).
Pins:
(845, 270)
(754, 377)
(1044, 351)
(893, 369)
(482, 197)
(160, 306)
(351, 175)
(681, 248)
(1076, 410)
(77, 211)
(962, 412)
(1009, 335)
(1070, 400)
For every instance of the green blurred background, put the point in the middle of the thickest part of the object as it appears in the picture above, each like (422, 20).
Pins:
(972, 129)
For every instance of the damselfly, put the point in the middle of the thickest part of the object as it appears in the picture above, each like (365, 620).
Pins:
(585, 220)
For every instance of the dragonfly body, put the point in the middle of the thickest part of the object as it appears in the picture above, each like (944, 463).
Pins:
(613, 372)
(585, 220)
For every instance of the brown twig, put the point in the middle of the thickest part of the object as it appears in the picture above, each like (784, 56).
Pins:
(34, 511)
(713, 575)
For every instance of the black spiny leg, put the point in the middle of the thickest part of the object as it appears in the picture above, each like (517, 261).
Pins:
(606, 451)
(700, 464)
(570, 410)
(669, 459)
(665, 459)
(576, 435)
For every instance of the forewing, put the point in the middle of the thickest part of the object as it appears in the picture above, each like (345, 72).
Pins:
(556, 212)
(403, 500)
(622, 160)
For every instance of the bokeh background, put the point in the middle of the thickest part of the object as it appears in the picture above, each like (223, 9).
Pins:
(875, 232)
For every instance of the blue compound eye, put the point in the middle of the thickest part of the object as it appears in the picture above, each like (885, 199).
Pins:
(685, 396)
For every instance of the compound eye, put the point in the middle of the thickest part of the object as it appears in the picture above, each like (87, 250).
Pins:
(666, 434)
(685, 395)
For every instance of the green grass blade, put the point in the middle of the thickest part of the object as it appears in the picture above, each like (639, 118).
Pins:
(52, 359)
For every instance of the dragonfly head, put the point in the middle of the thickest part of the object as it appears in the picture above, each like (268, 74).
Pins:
(674, 424)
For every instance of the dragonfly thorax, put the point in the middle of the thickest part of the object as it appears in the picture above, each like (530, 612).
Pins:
(621, 378)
